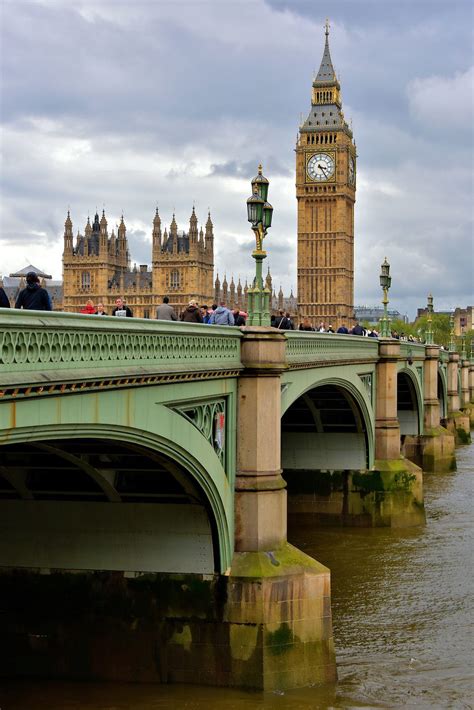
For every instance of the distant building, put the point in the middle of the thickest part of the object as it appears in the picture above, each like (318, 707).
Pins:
(463, 320)
(96, 266)
(373, 314)
(14, 283)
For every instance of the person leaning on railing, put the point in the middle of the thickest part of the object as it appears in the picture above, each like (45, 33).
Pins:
(4, 302)
(34, 297)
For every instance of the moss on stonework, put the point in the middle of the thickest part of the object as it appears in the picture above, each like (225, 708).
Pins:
(278, 641)
(262, 564)
(463, 436)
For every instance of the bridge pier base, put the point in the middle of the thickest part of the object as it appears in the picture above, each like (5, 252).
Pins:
(434, 450)
(278, 604)
(390, 495)
(457, 422)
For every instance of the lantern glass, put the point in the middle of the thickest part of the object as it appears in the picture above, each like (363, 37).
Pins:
(267, 215)
(254, 209)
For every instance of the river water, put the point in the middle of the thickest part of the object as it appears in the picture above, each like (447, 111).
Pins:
(403, 618)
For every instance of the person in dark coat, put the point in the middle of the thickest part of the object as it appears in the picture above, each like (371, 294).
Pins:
(358, 329)
(191, 314)
(239, 320)
(34, 297)
(4, 302)
(121, 310)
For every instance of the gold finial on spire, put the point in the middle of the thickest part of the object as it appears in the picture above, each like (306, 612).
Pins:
(260, 168)
(327, 27)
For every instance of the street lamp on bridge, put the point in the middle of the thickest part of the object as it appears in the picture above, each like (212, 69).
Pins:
(429, 329)
(463, 345)
(259, 214)
(452, 341)
(385, 282)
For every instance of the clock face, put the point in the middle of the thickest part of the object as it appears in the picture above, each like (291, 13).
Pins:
(351, 170)
(320, 167)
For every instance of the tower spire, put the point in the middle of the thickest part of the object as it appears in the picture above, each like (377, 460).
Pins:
(326, 71)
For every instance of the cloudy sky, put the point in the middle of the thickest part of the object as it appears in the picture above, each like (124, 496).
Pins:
(126, 105)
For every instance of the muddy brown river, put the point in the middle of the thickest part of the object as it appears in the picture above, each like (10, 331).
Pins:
(403, 613)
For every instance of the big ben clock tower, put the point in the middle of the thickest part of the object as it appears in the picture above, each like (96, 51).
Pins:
(325, 191)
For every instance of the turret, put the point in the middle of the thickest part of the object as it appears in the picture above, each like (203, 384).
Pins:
(268, 280)
(280, 299)
(68, 236)
(173, 237)
(113, 245)
(122, 243)
(104, 237)
(232, 291)
(156, 236)
(193, 227)
(209, 234)
(217, 290)
(225, 288)
(239, 294)
(201, 239)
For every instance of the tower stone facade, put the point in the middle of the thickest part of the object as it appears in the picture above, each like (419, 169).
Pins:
(96, 266)
(325, 192)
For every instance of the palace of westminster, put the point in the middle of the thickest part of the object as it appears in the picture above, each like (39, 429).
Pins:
(97, 266)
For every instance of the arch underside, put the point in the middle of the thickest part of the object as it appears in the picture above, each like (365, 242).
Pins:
(409, 404)
(324, 429)
(104, 505)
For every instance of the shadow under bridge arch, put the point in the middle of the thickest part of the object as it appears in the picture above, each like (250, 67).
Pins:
(327, 428)
(111, 500)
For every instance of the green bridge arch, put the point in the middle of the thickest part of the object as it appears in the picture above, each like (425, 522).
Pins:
(137, 417)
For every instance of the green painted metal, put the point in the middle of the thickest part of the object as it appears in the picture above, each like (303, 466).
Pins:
(314, 348)
(43, 348)
(142, 416)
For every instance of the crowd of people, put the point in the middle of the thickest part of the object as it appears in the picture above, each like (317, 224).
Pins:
(35, 297)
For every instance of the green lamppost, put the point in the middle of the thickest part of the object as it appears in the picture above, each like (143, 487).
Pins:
(259, 214)
(385, 282)
(452, 341)
(472, 351)
(429, 329)
(463, 345)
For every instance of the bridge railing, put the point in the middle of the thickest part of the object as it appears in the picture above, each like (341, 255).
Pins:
(409, 349)
(37, 347)
(444, 356)
(308, 347)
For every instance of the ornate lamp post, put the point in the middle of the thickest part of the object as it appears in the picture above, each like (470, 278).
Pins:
(385, 282)
(429, 329)
(463, 345)
(452, 341)
(259, 214)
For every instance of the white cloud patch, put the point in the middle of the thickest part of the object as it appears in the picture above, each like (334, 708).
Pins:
(126, 106)
(444, 103)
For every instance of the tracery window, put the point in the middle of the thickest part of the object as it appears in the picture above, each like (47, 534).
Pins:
(86, 279)
(174, 279)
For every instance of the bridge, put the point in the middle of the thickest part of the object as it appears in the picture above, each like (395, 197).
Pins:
(149, 471)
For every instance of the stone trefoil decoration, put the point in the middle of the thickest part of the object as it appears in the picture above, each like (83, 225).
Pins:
(210, 419)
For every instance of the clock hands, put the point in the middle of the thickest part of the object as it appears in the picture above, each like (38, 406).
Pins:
(321, 167)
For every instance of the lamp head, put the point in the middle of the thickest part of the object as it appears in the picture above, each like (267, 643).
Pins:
(260, 183)
(385, 278)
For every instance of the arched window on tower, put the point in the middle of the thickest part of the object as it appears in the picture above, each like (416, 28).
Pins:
(174, 279)
(86, 280)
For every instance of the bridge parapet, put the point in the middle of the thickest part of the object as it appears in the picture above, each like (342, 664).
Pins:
(40, 352)
(303, 349)
(412, 350)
